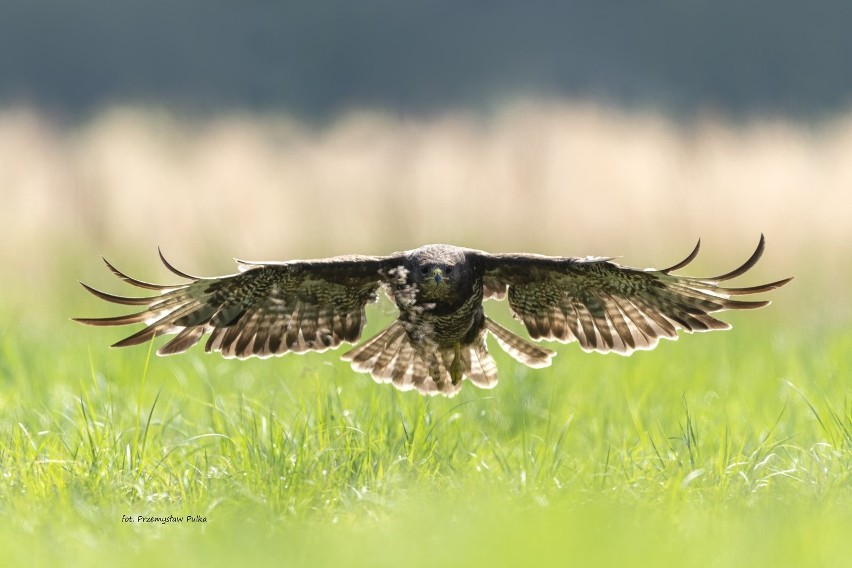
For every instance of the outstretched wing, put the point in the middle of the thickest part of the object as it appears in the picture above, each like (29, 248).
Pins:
(267, 309)
(608, 307)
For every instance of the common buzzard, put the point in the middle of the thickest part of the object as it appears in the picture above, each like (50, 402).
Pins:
(438, 340)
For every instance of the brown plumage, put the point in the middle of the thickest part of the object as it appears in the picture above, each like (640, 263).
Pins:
(439, 337)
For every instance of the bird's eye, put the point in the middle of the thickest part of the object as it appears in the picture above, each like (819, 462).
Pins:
(449, 270)
(424, 270)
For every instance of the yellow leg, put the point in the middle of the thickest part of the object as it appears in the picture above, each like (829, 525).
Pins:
(456, 366)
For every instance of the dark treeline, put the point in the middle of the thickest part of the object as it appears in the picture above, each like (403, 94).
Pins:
(317, 58)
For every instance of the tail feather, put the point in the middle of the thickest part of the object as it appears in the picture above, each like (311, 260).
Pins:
(363, 357)
(391, 357)
(483, 367)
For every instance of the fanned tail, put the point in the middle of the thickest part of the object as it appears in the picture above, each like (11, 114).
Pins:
(391, 357)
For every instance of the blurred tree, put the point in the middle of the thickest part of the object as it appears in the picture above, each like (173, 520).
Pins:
(317, 58)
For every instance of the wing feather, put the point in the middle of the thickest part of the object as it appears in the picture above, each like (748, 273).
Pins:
(266, 309)
(272, 308)
(605, 306)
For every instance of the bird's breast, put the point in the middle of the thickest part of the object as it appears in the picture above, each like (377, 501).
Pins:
(445, 320)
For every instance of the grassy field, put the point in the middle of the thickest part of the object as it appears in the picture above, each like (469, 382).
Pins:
(724, 449)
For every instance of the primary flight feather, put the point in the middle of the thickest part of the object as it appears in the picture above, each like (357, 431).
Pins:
(438, 340)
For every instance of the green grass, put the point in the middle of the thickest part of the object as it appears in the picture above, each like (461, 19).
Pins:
(719, 449)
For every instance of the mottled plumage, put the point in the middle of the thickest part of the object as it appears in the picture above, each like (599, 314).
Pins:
(272, 308)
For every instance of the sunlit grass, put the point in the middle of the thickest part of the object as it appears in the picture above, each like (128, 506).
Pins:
(708, 445)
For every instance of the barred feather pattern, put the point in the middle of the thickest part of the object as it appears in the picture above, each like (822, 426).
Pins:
(607, 307)
(438, 340)
(265, 310)
(393, 357)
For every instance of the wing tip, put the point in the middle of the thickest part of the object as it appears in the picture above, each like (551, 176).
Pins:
(690, 257)
(124, 300)
(139, 283)
(172, 268)
(747, 265)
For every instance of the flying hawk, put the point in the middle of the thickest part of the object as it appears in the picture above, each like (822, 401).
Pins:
(438, 340)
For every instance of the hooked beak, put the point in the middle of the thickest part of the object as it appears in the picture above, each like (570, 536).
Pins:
(438, 275)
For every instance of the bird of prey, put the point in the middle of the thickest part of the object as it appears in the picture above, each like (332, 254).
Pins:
(438, 339)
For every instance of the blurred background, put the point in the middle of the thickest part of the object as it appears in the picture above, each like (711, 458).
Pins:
(269, 130)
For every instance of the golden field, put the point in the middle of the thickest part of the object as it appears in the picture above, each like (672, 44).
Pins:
(566, 179)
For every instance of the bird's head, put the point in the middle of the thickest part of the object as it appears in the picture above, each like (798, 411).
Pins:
(438, 270)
